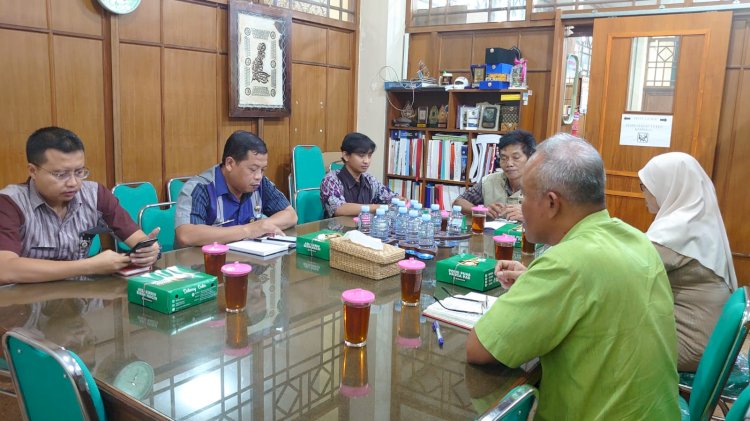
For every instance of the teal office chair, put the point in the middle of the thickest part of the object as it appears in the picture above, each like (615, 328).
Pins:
(309, 207)
(133, 197)
(52, 383)
(718, 358)
(308, 170)
(96, 246)
(159, 215)
(336, 165)
(740, 410)
(174, 186)
(518, 405)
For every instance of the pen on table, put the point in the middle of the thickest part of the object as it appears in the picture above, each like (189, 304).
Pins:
(436, 328)
(218, 224)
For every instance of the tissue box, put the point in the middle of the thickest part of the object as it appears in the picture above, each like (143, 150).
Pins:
(511, 229)
(479, 276)
(171, 289)
(374, 264)
(310, 245)
(174, 323)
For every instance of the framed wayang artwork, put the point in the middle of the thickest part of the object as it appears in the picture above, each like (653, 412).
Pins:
(259, 60)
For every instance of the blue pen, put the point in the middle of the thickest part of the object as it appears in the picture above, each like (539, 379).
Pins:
(436, 328)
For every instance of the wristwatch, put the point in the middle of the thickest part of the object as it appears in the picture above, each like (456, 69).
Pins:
(120, 7)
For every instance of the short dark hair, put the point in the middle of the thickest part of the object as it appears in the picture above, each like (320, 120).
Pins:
(521, 137)
(52, 137)
(240, 143)
(357, 143)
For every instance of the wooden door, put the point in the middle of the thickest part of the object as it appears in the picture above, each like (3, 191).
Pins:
(697, 82)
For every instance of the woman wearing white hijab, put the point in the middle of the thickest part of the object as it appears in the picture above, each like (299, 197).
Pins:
(689, 234)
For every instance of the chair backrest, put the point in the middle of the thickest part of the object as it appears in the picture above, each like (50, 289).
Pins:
(309, 207)
(308, 169)
(174, 186)
(719, 356)
(51, 383)
(159, 215)
(518, 405)
(134, 196)
(96, 246)
(336, 165)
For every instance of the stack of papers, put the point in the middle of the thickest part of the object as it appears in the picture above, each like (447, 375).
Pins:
(459, 318)
(258, 247)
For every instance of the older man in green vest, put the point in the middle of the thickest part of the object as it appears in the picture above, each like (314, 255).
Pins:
(500, 191)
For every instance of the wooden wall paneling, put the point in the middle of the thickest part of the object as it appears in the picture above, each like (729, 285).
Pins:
(276, 136)
(534, 115)
(308, 105)
(536, 46)
(190, 126)
(140, 156)
(24, 13)
(492, 39)
(308, 43)
(190, 24)
(26, 103)
(79, 97)
(144, 24)
(339, 48)
(228, 125)
(419, 49)
(554, 113)
(222, 26)
(455, 53)
(76, 16)
(688, 73)
(339, 107)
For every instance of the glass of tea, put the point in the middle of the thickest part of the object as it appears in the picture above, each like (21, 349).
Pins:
(356, 316)
(237, 341)
(445, 215)
(478, 216)
(408, 328)
(411, 281)
(527, 247)
(354, 382)
(214, 257)
(504, 246)
(235, 286)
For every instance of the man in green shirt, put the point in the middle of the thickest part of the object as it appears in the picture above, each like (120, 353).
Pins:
(596, 307)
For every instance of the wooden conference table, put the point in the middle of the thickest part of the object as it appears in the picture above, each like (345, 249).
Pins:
(291, 363)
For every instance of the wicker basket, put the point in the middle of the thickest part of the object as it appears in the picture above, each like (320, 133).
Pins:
(363, 261)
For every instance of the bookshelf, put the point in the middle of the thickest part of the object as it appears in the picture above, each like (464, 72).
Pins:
(410, 152)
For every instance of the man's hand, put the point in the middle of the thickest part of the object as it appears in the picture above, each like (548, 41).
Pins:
(495, 210)
(147, 256)
(507, 271)
(263, 227)
(513, 213)
(107, 262)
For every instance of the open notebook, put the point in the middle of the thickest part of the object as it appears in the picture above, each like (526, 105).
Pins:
(458, 318)
(258, 248)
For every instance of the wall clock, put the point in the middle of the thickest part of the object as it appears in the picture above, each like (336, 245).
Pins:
(120, 7)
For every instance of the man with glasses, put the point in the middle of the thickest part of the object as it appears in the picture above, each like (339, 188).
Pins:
(596, 307)
(44, 222)
(501, 191)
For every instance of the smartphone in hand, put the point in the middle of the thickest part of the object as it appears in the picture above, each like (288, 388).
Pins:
(142, 244)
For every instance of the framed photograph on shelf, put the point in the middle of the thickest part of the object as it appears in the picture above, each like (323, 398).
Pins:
(490, 117)
(259, 60)
(477, 74)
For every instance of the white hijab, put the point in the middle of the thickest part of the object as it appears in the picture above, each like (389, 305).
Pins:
(688, 221)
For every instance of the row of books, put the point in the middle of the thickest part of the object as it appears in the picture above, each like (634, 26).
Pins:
(447, 156)
(442, 194)
(484, 151)
(406, 188)
(405, 153)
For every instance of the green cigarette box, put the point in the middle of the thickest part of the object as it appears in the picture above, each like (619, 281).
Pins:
(468, 271)
(515, 230)
(174, 323)
(316, 244)
(171, 289)
(309, 264)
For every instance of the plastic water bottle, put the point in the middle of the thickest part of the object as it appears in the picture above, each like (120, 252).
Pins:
(412, 227)
(387, 217)
(400, 224)
(380, 225)
(413, 202)
(393, 210)
(455, 221)
(426, 232)
(437, 218)
(364, 219)
(418, 208)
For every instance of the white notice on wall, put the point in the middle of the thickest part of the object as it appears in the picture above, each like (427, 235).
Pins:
(646, 130)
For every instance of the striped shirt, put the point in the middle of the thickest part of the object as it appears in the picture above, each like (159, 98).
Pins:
(29, 227)
(206, 200)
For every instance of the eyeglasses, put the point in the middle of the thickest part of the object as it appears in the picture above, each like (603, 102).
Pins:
(483, 304)
(515, 159)
(80, 173)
